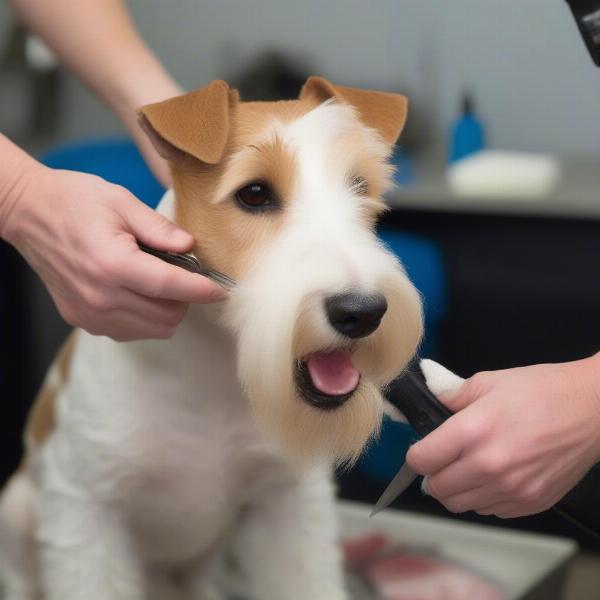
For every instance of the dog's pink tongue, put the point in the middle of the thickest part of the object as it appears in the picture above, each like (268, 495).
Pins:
(332, 373)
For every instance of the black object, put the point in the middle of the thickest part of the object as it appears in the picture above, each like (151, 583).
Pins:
(410, 394)
(15, 357)
(467, 104)
(272, 76)
(587, 17)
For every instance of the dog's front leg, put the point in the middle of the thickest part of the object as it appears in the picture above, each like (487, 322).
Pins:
(84, 550)
(289, 543)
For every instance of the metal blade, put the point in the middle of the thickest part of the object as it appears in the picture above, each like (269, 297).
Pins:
(220, 278)
(402, 480)
(190, 263)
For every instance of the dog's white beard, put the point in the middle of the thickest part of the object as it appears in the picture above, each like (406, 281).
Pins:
(276, 323)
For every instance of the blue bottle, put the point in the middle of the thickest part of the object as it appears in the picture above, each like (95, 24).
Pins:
(467, 135)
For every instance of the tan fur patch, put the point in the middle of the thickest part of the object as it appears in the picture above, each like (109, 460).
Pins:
(227, 238)
(384, 112)
(269, 161)
(170, 130)
(41, 419)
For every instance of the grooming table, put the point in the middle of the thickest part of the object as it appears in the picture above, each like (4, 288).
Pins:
(525, 566)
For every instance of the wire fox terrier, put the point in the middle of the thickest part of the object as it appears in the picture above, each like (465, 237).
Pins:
(146, 460)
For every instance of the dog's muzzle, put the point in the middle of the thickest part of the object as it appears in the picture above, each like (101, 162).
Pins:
(328, 379)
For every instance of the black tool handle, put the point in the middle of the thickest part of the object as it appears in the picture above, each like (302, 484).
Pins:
(587, 17)
(411, 396)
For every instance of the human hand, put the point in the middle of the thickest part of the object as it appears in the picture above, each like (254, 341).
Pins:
(80, 234)
(520, 440)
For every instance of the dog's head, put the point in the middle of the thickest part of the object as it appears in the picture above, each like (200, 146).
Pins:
(283, 197)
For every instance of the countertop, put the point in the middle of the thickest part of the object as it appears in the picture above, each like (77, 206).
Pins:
(576, 196)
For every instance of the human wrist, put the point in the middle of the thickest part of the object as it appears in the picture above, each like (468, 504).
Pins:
(18, 172)
(142, 81)
(144, 86)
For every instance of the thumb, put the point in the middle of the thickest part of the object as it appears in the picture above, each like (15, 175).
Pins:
(155, 230)
(453, 391)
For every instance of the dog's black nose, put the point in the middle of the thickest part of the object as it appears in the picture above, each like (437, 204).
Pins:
(355, 315)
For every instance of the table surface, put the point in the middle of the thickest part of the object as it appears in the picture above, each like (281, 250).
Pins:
(515, 560)
(576, 196)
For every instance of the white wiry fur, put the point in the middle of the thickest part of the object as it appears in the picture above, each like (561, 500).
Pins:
(157, 468)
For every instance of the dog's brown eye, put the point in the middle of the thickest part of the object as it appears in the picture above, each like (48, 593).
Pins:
(256, 197)
(359, 185)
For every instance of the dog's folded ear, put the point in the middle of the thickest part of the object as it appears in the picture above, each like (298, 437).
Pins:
(383, 111)
(196, 123)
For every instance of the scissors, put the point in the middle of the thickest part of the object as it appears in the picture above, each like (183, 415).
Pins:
(190, 263)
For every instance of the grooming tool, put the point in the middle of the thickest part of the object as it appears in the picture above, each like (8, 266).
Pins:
(587, 17)
(424, 412)
(190, 263)
(395, 488)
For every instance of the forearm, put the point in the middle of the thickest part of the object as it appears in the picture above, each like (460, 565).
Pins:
(15, 168)
(98, 42)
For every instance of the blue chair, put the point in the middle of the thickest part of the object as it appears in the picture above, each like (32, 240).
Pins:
(119, 161)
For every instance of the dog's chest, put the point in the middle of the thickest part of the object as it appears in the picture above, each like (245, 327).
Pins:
(181, 453)
(199, 471)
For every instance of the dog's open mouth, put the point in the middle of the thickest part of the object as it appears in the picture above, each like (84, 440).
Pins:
(327, 379)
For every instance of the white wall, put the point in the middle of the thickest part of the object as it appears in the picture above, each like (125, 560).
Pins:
(524, 59)
(533, 76)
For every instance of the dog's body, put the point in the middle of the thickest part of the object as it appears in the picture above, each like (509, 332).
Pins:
(133, 440)
(145, 460)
